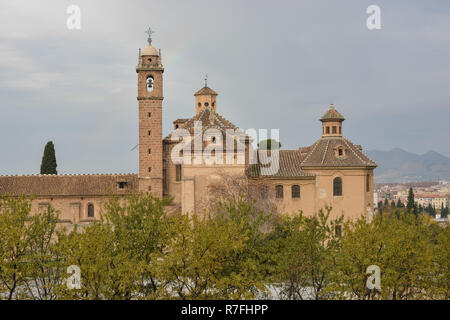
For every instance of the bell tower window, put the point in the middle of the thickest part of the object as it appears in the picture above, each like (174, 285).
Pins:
(150, 83)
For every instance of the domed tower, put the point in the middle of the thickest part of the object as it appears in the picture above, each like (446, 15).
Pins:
(332, 123)
(150, 98)
(205, 97)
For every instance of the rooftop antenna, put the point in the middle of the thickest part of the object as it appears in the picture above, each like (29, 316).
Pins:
(149, 32)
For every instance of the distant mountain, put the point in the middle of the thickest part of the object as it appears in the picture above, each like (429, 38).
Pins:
(399, 165)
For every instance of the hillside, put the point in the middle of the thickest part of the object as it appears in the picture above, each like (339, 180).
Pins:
(398, 165)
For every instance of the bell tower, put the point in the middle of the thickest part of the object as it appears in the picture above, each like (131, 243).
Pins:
(205, 98)
(150, 98)
(332, 123)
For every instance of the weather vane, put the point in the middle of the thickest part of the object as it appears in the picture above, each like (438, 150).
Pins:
(206, 80)
(149, 32)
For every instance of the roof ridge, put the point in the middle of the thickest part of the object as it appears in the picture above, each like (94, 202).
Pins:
(325, 152)
(67, 175)
(312, 151)
(347, 142)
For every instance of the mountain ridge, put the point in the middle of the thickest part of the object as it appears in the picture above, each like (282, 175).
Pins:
(398, 165)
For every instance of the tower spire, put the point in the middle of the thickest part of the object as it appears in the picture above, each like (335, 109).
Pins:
(149, 32)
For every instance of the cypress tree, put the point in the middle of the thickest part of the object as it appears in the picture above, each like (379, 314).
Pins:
(410, 204)
(430, 209)
(48, 164)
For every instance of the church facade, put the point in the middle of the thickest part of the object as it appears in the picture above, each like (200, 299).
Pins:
(331, 172)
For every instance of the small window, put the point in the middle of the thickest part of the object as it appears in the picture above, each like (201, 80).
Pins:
(122, 184)
(212, 104)
(327, 130)
(149, 188)
(337, 186)
(340, 152)
(149, 169)
(149, 150)
(206, 104)
(90, 210)
(368, 183)
(199, 104)
(149, 115)
(334, 129)
(213, 139)
(149, 59)
(279, 192)
(149, 132)
(340, 130)
(176, 126)
(178, 172)
(295, 191)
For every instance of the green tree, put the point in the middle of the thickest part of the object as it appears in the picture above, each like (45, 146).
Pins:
(269, 144)
(213, 256)
(304, 248)
(115, 255)
(399, 203)
(399, 244)
(26, 250)
(48, 164)
(410, 203)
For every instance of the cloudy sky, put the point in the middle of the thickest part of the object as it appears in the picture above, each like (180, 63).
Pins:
(275, 64)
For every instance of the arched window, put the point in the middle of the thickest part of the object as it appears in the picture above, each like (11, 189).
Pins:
(90, 210)
(295, 191)
(150, 84)
(206, 104)
(279, 192)
(337, 186)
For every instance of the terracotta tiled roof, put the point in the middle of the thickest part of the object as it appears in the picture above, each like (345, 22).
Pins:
(181, 120)
(68, 185)
(209, 119)
(290, 162)
(332, 115)
(323, 154)
(206, 91)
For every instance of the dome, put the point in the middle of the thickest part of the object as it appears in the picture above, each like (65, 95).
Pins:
(149, 51)
(332, 115)
(206, 91)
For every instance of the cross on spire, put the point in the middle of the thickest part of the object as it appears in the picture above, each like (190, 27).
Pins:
(206, 80)
(149, 32)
